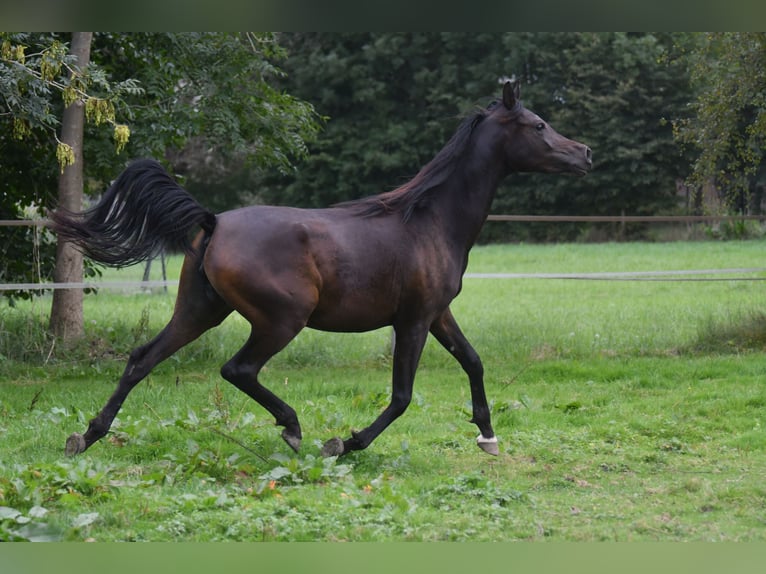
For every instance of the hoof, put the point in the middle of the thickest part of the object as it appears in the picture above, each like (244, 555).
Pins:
(75, 444)
(333, 447)
(488, 445)
(293, 441)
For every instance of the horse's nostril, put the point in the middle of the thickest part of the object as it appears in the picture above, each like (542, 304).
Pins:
(588, 154)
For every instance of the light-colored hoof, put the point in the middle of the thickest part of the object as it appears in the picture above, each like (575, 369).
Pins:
(488, 445)
(333, 447)
(75, 444)
(293, 441)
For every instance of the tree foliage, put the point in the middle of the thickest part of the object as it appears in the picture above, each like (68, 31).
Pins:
(206, 103)
(209, 106)
(617, 92)
(35, 66)
(391, 101)
(394, 99)
(38, 78)
(727, 127)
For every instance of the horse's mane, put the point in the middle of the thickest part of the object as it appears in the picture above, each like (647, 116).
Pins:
(414, 194)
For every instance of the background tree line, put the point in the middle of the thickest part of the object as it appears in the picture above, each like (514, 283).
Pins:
(394, 99)
(311, 119)
(665, 113)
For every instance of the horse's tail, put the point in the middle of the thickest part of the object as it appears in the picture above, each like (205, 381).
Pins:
(141, 213)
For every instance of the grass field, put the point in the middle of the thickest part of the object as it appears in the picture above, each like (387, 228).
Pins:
(626, 410)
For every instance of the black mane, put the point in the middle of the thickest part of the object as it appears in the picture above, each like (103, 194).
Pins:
(415, 193)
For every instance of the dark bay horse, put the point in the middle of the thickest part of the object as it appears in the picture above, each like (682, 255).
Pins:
(392, 259)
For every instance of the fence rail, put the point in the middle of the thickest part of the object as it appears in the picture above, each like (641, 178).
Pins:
(677, 275)
(23, 222)
(625, 218)
(681, 275)
(48, 286)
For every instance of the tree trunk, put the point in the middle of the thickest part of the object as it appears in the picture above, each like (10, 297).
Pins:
(66, 320)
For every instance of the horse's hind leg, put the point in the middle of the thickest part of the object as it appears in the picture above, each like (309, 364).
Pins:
(447, 332)
(197, 310)
(242, 372)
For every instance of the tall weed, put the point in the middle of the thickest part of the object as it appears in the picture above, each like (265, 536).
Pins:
(732, 334)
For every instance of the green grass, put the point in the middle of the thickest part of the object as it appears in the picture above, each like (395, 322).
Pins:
(625, 411)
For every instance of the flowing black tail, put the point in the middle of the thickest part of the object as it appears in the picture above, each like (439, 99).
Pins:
(141, 213)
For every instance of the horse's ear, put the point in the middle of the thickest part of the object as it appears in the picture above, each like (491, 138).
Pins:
(511, 92)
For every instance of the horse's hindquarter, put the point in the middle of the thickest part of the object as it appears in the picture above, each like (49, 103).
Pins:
(334, 270)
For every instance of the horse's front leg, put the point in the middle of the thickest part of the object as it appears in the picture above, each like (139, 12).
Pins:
(448, 333)
(408, 348)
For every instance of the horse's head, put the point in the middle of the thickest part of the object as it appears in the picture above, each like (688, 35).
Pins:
(531, 145)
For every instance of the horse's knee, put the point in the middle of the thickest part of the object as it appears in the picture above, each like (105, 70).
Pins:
(472, 365)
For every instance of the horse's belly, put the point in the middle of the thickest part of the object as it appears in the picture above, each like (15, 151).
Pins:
(349, 319)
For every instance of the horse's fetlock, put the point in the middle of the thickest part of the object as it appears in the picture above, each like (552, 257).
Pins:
(360, 440)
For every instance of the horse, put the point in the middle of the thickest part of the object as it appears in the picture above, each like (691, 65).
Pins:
(393, 259)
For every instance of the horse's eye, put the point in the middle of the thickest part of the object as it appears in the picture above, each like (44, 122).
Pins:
(540, 127)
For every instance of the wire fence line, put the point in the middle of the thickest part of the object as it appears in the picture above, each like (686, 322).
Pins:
(23, 222)
(626, 218)
(50, 286)
(676, 275)
(673, 275)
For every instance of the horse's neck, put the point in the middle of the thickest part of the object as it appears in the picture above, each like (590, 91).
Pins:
(464, 203)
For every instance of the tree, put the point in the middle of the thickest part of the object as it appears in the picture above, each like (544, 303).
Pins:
(394, 99)
(209, 107)
(618, 93)
(727, 128)
(66, 320)
(34, 70)
(208, 94)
